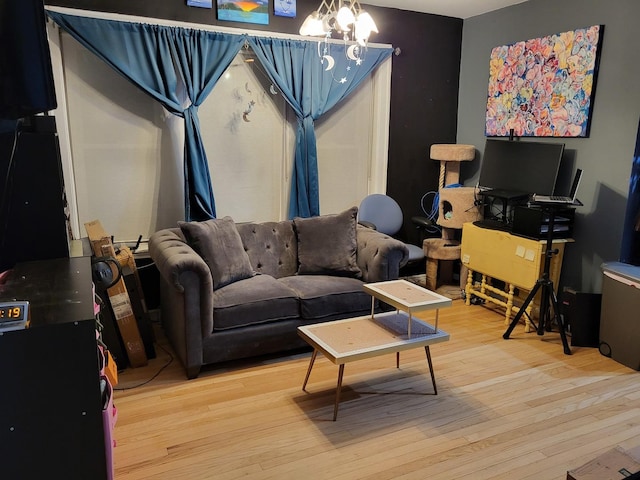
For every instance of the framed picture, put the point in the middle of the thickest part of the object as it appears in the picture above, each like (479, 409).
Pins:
(247, 11)
(284, 8)
(544, 87)
(200, 3)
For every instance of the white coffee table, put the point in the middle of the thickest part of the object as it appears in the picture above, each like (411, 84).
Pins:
(352, 339)
(406, 296)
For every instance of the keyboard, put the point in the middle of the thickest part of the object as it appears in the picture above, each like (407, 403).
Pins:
(552, 198)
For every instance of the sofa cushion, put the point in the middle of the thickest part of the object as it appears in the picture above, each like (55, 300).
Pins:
(218, 242)
(327, 244)
(254, 300)
(322, 295)
(272, 247)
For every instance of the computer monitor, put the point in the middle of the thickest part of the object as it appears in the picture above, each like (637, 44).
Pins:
(520, 166)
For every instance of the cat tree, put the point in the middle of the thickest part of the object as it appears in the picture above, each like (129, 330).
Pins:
(456, 205)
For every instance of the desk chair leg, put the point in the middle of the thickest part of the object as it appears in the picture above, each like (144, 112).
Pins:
(397, 359)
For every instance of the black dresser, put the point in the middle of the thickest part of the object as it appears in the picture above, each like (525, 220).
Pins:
(51, 405)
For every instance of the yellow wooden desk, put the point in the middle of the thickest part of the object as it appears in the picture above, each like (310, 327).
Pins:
(517, 261)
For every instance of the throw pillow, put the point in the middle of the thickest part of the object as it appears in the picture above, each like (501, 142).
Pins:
(327, 244)
(219, 244)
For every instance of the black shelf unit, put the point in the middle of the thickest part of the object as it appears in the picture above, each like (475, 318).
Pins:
(51, 419)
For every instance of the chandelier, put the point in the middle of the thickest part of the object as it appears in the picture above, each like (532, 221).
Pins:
(345, 17)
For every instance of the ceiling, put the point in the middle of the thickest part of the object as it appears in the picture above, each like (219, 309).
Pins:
(449, 8)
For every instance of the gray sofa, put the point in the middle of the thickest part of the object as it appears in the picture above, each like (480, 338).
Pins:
(231, 291)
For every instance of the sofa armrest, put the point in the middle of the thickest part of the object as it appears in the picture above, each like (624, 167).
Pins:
(186, 296)
(173, 256)
(379, 256)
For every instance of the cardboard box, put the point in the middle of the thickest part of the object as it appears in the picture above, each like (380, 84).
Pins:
(136, 296)
(128, 263)
(615, 464)
(102, 246)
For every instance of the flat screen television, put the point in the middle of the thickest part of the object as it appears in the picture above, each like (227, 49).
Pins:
(520, 166)
(26, 76)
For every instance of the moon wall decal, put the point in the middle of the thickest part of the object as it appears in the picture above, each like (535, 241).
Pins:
(330, 62)
(351, 52)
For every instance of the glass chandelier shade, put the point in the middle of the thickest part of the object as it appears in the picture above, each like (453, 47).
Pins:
(343, 16)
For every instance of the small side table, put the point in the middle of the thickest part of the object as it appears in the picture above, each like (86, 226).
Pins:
(407, 297)
(351, 339)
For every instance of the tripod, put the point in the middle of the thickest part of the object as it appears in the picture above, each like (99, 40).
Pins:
(548, 298)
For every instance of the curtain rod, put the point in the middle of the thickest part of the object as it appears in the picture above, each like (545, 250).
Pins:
(195, 26)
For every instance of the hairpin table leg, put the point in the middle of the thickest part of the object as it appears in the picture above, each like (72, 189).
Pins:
(313, 359)
(433, 377)
(338, 388)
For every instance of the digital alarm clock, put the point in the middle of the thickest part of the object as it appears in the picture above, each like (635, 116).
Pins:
(13, 314)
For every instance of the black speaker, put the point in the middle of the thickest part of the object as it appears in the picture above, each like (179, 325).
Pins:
(33, 220)
(581, 313)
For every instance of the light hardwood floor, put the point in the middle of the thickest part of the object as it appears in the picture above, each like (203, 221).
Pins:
(512, 409)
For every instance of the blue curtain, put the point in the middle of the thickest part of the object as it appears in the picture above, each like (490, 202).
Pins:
(630, 251)
(161, 61)
(313, 78)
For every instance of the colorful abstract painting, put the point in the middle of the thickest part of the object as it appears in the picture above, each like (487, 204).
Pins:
(544, 87)
(244, 11)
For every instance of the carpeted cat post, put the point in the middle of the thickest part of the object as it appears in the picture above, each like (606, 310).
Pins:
(456, 205)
